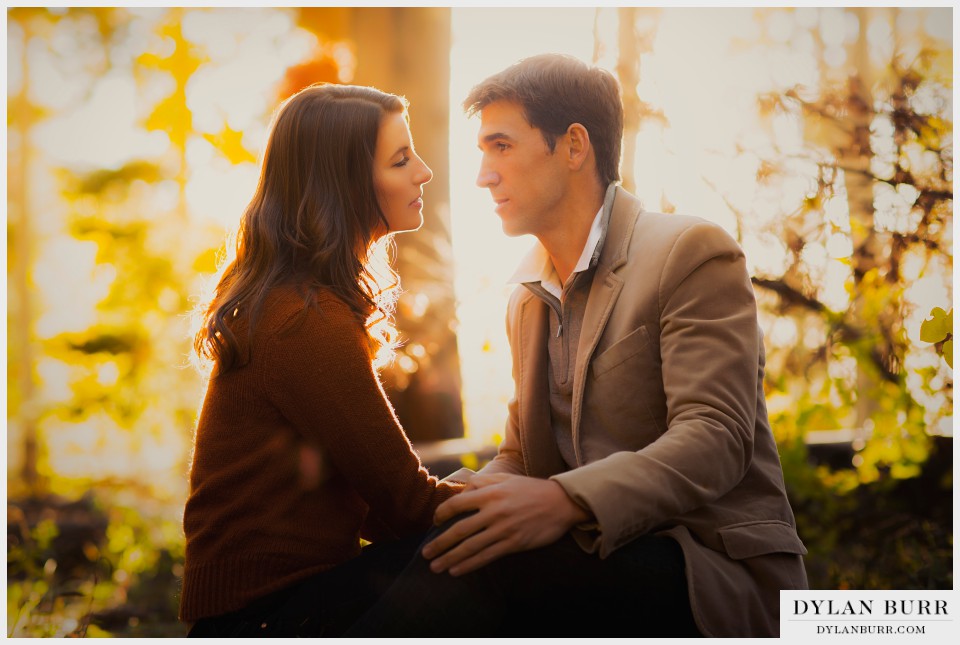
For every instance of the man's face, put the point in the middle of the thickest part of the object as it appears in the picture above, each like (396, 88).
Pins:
(526, 180)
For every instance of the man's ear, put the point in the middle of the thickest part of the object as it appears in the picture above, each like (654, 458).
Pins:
(578, 145)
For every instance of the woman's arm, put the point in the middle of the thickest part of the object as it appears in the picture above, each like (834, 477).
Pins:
(319, 375)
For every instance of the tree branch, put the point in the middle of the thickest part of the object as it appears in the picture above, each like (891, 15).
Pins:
(792, 296)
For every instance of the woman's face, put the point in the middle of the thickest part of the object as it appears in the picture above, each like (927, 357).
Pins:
(399, 175)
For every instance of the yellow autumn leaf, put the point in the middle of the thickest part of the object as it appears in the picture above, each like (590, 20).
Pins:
(206, 262)
(470, 460)
(230, 144)
(182, 62)
(173, 117)
(149, 59)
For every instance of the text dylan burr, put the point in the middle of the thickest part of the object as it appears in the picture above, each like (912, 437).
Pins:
(868, 608)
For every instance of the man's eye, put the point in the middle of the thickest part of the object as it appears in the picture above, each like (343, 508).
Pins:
(501, 146)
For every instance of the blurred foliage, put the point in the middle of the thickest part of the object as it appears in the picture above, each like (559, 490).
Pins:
(855, 365)
(93, 567)
(892, 534)
(878, 515)
(875, 512)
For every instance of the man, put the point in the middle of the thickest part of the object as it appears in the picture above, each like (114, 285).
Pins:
(638, 490)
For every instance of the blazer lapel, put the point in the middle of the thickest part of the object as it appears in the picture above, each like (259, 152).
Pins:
(604, 291)
(540, 452)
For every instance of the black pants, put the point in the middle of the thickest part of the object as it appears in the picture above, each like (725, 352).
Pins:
(323, 605)
(558, 590)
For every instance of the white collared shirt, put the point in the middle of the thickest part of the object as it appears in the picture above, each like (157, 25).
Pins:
(537, 266)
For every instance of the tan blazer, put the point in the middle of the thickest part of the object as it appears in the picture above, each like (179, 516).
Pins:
(669, 421)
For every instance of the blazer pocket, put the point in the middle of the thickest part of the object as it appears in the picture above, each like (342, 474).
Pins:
(625, 348)
(751, 539)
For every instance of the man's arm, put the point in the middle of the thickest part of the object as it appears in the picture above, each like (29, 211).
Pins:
(709, 349)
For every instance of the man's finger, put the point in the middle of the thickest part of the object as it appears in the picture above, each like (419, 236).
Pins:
(453, 536)
(479, 481)
(456, 505)
(465, 550)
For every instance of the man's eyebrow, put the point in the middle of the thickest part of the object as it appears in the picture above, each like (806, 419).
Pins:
(496, 135)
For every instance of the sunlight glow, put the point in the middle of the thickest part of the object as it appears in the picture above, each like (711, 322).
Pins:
(72, 288)
(707, 92)
(702, 71)
(693, 164)
(485, 258)
(103, 132)
(237, 87)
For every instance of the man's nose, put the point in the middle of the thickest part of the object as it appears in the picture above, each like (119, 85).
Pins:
(487, 178)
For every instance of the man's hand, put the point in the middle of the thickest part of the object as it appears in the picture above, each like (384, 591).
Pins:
(513, 513)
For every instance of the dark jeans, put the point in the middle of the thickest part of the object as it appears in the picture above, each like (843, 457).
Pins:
(323, 605)
(558, 590)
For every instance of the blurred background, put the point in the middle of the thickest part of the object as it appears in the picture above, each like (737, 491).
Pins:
(821, 138)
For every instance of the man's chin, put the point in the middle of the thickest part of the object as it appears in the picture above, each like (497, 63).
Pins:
(510, 229)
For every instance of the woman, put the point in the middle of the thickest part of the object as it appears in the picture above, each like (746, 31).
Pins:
(298, 453)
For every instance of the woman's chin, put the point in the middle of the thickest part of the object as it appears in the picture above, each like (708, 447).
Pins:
(410, 227)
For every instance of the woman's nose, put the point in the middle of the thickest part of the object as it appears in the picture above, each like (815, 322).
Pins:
(425, 174)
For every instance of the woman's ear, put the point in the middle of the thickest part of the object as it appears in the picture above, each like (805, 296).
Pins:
(579, 145)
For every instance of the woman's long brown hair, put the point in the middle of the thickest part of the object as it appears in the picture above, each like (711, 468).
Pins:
(312, 222)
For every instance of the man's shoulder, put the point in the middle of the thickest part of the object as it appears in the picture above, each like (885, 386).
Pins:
(519, 295)
(665, 231)
(654, 229)
(671, 224)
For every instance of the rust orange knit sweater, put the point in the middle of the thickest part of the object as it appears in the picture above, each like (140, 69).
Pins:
(296, 453)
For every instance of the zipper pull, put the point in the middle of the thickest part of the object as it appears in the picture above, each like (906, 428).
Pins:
(559, 328)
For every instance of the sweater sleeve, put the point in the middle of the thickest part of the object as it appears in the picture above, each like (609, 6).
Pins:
(319, 375)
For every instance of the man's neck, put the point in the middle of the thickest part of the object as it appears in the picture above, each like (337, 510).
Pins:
(564, 243)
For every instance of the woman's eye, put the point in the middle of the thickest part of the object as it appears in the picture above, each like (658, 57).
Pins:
(403, 162)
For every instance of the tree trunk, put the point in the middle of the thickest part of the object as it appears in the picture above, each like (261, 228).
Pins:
(21, 340)
(628, 71)
(855, 156)
(636, 32)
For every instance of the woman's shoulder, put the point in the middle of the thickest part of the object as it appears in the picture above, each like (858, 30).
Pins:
(290, 305)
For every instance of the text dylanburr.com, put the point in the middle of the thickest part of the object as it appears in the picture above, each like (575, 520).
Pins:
(884, 615)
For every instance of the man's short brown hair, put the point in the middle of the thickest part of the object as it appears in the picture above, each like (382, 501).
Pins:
(555, 91)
